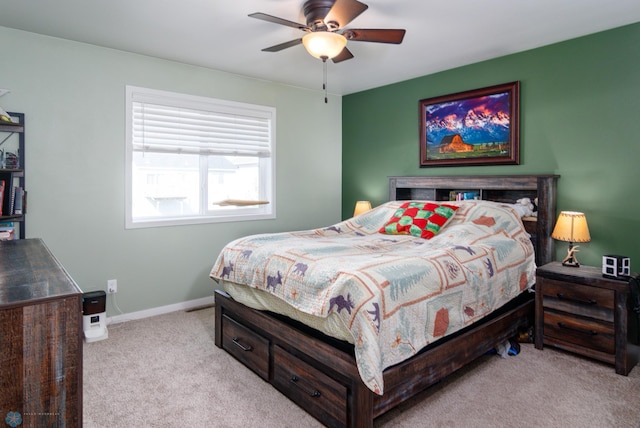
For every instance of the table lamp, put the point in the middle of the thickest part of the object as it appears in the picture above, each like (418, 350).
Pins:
(571, 227)
(361, 207)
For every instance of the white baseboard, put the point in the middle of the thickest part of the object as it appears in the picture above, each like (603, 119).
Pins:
(190, 304)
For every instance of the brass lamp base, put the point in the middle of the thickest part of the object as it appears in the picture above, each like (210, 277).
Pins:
(571, 259)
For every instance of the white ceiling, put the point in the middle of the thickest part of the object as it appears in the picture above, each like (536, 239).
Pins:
(218, 34)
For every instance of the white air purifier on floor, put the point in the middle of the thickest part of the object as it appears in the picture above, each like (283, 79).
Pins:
(94, 316)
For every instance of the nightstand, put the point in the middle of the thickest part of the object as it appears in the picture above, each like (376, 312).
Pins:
(580, 311)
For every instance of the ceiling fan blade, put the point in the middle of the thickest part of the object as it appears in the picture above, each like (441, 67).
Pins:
(281, 46)
(378, 35)
(343, 56)
(276, 20)
(344, 11)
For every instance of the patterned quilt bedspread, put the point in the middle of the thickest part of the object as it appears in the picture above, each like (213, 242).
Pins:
(395, 293)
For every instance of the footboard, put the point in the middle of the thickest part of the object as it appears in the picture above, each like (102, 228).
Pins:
(320, 374)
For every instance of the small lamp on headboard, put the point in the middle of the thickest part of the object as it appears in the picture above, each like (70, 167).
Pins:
(361, 207)
(571, 227)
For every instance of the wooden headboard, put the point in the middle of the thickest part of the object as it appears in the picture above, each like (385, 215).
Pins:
(498, 188)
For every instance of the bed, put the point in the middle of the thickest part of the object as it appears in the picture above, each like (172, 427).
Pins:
(310, 324)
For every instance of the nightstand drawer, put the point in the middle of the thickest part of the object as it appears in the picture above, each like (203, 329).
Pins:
(588, 333)
(579, 299)
(317, 393)
(248, 347)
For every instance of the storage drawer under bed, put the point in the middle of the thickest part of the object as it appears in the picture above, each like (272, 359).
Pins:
(314, 391)
(248, 347)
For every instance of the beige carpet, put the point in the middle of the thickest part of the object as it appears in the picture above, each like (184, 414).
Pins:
(166, 372)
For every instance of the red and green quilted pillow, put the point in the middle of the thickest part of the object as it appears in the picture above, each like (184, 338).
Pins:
(421, 219)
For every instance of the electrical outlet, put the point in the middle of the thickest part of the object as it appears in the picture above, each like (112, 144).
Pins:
(112, 286)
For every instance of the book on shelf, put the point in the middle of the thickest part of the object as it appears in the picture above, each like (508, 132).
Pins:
(456, 195)
(1, 195)
(8, 193)
(24, 201)
(18, 205)
(12, 200)
(12, 197)
(7, 233)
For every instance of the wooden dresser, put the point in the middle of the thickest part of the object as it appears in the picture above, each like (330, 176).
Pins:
(40, 338)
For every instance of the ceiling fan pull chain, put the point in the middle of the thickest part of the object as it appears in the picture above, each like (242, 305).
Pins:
(324, 77)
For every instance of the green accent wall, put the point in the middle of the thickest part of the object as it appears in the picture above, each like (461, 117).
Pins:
(580, 102)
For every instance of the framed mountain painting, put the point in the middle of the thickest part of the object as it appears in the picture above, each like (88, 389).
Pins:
(477, 127)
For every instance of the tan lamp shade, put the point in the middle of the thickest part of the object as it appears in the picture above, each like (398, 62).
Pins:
(361, 207)
(571, 227)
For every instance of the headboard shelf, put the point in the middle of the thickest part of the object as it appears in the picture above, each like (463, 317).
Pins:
(498, 188)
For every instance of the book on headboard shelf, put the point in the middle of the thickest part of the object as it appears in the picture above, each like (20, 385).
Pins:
(464, 195)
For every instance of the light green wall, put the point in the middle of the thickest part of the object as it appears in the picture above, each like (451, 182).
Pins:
(580, 101)
(73, 95)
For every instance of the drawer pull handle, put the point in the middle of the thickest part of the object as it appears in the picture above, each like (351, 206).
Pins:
(588, 302)
(315, 393)
(241, 346)
(579, 330)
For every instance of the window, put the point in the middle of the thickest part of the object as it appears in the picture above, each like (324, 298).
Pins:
(197, 160)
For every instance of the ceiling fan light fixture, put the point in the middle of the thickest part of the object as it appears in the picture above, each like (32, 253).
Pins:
(324, 44)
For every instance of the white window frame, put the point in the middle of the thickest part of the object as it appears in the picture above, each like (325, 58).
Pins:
(136, 94)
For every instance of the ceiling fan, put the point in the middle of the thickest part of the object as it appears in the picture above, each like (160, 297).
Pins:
(326, 36)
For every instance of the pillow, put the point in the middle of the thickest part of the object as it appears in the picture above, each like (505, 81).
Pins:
(421, 219)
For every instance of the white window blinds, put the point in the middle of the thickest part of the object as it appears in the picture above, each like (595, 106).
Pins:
(162, 123)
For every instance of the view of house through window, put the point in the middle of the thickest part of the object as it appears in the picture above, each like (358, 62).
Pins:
(195, 160)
